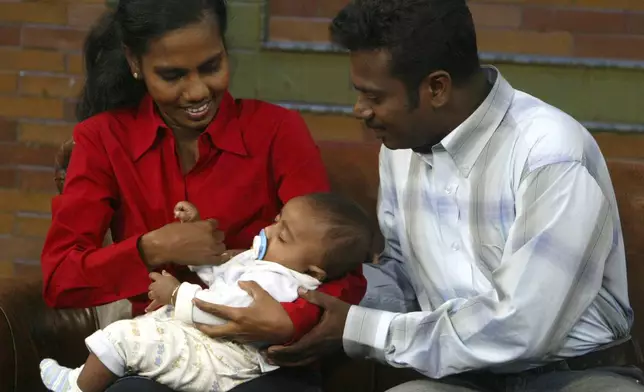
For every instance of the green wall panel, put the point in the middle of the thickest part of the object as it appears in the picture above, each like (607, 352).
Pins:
(598, 94)
(244, 71)
(245, 23)
(589, 94)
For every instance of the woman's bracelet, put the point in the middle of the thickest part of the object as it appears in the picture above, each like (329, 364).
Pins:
(173, 297)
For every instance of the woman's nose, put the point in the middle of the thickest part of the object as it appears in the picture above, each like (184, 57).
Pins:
(196, 90)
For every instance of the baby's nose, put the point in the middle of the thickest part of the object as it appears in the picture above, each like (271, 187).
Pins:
(269, 231)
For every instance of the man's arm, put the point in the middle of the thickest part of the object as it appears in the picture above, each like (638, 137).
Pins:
(550, 273)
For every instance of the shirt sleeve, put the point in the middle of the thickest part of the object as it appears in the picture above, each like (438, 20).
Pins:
(205, 272)
(551, 271)
(77, 270)
(305, 316)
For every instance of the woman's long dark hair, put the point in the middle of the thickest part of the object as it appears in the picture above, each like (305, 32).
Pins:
(109, 82)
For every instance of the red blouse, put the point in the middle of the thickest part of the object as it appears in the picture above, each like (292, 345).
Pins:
(124, 175)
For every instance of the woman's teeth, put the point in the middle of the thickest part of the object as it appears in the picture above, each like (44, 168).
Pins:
(198, 110)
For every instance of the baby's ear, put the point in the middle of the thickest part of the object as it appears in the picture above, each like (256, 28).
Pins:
(316, 272)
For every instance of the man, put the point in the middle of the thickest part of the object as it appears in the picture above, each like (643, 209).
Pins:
(504, 265)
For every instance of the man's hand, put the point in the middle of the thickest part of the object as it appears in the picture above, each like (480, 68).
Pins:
(265, 320)
(161, 289)
(325, 338)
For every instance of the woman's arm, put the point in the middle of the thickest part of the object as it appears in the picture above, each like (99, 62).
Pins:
(77, 270)
(299, 170)
(305, 315)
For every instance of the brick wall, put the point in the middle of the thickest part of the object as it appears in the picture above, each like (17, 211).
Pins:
(577, 28)
(40, 73)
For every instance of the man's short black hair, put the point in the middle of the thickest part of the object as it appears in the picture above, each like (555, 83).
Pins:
(350, 233)
(421, 36)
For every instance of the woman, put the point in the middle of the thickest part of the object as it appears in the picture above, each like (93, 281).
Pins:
(159, 126)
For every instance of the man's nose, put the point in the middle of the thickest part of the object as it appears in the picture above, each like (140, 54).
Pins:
(361, 110)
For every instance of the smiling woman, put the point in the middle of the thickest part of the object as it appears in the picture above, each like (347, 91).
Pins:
(159, 126)
(185, 70)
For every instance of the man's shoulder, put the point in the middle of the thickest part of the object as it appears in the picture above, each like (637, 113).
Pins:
(536, 119)
(548, 133)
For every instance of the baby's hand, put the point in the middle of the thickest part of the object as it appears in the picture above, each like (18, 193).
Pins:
(186, 212)
(161, 290)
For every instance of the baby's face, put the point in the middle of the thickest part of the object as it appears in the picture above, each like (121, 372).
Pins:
(296, 239)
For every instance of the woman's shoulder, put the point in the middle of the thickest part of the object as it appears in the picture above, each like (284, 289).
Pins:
(262, 122)
(108, 119)
(253, 110)
(110, 124)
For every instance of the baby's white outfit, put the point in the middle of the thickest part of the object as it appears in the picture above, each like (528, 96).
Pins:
(165, 346)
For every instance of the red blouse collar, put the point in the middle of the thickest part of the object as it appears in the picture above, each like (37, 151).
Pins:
(224, 132)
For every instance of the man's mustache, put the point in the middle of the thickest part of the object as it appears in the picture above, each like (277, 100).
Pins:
(371, 124)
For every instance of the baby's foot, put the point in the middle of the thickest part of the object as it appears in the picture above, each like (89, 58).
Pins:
(54, 376)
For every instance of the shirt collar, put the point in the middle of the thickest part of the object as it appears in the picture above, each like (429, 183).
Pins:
(224, 132)
(467, 141)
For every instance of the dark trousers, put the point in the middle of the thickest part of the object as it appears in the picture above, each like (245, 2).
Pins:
(615, 379)
(281, 380)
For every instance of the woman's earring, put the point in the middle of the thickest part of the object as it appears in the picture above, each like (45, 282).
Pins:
(136, 75)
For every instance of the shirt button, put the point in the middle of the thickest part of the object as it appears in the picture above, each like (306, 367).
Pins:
(456, 247)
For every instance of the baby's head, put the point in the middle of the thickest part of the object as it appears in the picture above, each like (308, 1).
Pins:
(322, 234)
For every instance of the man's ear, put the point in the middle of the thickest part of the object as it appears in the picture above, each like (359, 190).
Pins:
(436, 89)
(316, 272)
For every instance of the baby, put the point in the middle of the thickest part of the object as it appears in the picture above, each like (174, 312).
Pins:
(317, 237)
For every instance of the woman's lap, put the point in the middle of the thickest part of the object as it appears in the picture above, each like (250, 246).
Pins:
(282, 380)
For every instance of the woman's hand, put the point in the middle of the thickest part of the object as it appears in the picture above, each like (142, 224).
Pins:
(265, 320)
(190, 243)
(161, 290)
